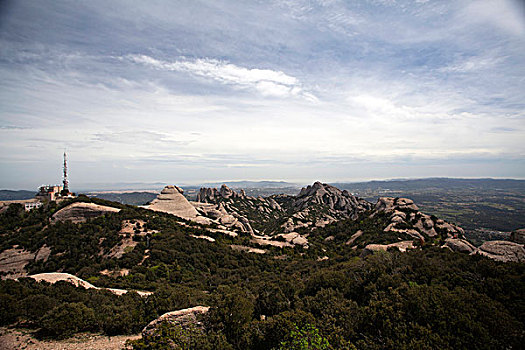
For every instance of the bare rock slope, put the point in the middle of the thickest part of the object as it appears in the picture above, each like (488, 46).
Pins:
(54, 277)
(80, 212)
(171, 200)
(502, 251)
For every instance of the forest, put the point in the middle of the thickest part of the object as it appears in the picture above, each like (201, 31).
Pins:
(429, 298)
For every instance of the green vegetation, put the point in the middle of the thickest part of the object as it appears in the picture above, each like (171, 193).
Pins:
(427, 299)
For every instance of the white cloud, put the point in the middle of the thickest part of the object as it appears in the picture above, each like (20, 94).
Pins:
(506, 15)
(473, 64)
(267, 82)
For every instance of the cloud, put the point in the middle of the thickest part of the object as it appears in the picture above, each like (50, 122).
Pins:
(473, 64)
(505, 15)
(137, 136)
(267, 82)
(412, 82)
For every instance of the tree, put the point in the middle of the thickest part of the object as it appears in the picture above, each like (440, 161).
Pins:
(304, 338)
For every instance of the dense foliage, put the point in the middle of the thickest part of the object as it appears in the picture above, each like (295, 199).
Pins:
(428, 298)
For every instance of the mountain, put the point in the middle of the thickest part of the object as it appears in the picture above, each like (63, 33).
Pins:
(324, 264)
(251, 184)
(444, 182)
(8, 195)
(132, 198)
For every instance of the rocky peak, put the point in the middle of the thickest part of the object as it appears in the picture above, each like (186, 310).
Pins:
(172, 189)
(341, 202)
(170, 200)
(210, 195)
(226, 192)
(207, 195)
(388, 204)
(404, 217)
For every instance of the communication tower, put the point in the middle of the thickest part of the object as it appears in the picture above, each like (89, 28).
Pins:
(65, 182)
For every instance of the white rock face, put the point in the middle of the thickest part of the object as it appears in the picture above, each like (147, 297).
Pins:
(170, 200)
(54, 277)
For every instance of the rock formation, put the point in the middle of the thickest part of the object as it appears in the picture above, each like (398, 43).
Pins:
(14, 260)
(502, 251)
(340, 203)
(404, 217)
(171, 200)
(459, 245)
(401, 246)
(54, 277)
(80, 212)
(211, 195)
(184, 318)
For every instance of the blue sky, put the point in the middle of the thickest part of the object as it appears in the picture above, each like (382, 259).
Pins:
(193, 91)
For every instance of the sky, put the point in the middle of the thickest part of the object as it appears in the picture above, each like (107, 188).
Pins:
(194, 91)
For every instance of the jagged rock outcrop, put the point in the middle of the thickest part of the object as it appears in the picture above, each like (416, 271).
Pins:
(319, 205)
(502, 251)
(404, 217)
(184, 318)
(81, 212)
(459, 245)
(207, 195)
(211, 195)
(339, 202)
(518, 236)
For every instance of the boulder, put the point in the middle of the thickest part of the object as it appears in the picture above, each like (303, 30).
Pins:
(502, 251)
(401, 246)
(184, 318)
(459, 245)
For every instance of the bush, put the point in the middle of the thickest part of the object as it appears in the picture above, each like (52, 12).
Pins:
(68, 319)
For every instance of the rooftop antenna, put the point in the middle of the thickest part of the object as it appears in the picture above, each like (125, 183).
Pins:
(66, 183)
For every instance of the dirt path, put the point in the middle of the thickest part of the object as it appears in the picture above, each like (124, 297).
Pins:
(15, 339)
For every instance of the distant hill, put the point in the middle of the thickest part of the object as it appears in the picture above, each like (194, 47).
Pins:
(131, 198)
(442, 183)
(249, 184)
(10, 195)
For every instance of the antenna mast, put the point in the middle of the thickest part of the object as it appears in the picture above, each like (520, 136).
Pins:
(66, 183)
